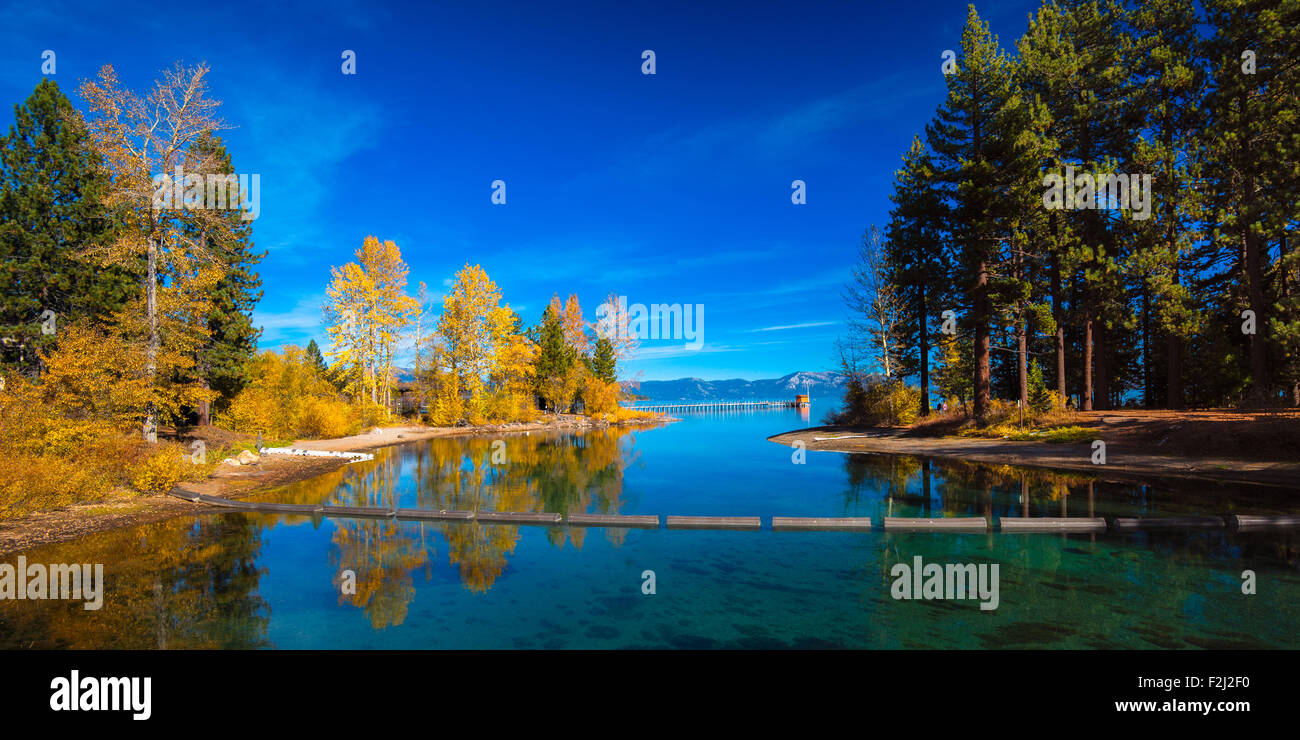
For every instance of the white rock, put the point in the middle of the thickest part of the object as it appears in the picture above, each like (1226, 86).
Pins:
(248, 458)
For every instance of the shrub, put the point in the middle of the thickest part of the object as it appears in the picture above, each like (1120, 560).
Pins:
(162, 470)
(256, 410)
(448, 407)
(30, 484)
(882, 403)
(599, 397)
(327, 417)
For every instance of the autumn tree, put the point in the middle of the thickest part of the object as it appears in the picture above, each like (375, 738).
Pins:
(470, 336)
(367, 310)
(874, 304)
(138, 138)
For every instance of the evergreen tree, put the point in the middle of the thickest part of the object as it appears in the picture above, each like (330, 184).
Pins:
(602, 362)
(916, 263)
(315, 358)
(1253, 147)
(554, 358)
(1170, 85)
(232, 339)
(972, 147)
(51, 186)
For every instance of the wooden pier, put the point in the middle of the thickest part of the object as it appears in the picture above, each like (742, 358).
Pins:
(707, 406)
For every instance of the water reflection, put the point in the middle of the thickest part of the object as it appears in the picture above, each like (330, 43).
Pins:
(180, 583)
(198, 582)
(536, 472)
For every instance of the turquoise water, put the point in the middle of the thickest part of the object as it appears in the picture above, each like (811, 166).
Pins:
(264, 580)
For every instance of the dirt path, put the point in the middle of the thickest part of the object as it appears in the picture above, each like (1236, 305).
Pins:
(130, 508)
(1129, 454)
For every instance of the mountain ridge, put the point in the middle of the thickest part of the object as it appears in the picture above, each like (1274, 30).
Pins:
(739, 389)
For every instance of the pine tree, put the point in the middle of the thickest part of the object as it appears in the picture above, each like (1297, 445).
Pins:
(555, 359)
(51, 190)
(916, 263)
(315, 358)
(1170, 85)
(972, 147)
(232, 338)
(1075, 64)
(602, 362)
(1252, 151)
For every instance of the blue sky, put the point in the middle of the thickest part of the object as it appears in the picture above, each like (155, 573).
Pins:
(666, 188)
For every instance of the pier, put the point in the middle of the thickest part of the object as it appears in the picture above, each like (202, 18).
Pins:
(705, 406)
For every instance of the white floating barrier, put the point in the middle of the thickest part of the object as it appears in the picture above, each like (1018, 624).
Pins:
(351, 456)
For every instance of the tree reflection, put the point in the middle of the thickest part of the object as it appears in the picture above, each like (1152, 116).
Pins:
(180, 583)
(537, 472)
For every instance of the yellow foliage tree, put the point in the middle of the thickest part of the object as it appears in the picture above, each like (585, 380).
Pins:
(471, 337)
(367, 309)
(138, 137)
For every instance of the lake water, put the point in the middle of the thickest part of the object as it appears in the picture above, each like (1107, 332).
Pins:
(263, 580)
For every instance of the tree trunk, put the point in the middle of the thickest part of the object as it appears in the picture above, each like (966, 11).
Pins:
(982, 312)
(150, 430)
(1087, 364)
(205, 406)
(1148, 385)
(1022, 361)
(1255, 291)
(1102, 355)
(925, 357)
(1058, 342)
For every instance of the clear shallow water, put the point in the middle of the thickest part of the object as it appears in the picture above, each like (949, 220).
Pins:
(265, 580)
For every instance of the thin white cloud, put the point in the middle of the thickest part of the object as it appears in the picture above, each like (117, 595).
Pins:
(303, 320)
(793, 326)
(682, 350)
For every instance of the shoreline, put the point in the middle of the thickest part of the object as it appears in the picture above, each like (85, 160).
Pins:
(128, 508)
(1123, 460)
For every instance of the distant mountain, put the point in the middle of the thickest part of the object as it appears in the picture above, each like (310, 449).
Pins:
(819, 384)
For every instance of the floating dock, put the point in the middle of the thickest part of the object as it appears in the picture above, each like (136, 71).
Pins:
(796, 523)
(1240, 521)
(1125, 524)
(1049, 524)
(942, 524)
(779, 523)
(714, 522)
(613, 520)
